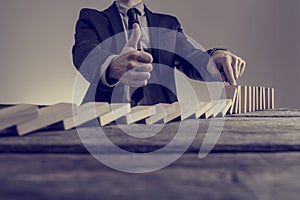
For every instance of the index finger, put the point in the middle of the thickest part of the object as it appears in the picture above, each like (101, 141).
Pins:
(229, 72)
(141, 56)
(144, 68)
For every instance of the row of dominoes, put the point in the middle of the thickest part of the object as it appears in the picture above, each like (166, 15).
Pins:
(238, 99)
(251, 98)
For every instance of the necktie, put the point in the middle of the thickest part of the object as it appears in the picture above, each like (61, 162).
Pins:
(132, 14)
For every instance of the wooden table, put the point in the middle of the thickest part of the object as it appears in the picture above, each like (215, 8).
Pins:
(256, 157)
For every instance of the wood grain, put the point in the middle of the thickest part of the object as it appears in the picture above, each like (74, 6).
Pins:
(256, 157)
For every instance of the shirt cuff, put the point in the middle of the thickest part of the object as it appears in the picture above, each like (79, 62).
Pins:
(212, 51)
(103, 71)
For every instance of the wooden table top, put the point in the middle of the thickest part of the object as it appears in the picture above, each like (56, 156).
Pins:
(256, 157)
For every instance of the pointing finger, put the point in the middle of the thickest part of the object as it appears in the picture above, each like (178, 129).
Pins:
(214, 71)
(229, 72)
(140, 56)
(144, 68)
(140, 76)
(236, 67)
(243, 68)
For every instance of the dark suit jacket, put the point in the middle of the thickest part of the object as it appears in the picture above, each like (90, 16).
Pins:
(169, 47)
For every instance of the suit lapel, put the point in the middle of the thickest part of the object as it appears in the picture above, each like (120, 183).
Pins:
(117, 26)
(153, 23)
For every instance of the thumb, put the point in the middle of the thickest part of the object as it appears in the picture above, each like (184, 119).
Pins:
(135, 37)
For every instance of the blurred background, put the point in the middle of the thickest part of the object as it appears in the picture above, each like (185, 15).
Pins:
(36, 37)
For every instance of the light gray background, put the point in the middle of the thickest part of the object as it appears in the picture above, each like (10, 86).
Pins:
(36, 37)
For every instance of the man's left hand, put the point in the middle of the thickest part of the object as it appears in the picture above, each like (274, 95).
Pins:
(228, 65)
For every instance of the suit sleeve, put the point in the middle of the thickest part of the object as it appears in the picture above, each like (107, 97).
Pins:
(191, 59)
(89, 55)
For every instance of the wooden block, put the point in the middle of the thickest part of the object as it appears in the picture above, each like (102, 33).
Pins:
(183, 110)
(236, 107)
(173, 115)
(217, 106)
(187, 110)
(17, 114)
(244, 98)
(210, 112)
(260, 98)
(257, 98)
(249, 99)
(117, 110)
(162, 111)
(231, 93)
(234, 102)
(203, 107)
(46, 117)
(138, 113)
(268, 98)
(272, 98)
(205, 92)
(86, 113)
(228, 105)
(264, 98)
(253, 99)
(239, 105)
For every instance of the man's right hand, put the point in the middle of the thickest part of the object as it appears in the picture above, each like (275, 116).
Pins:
(132, 67)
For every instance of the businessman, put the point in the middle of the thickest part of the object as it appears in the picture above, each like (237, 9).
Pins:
(120, 47)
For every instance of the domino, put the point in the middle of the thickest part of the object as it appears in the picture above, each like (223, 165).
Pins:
(257, 98)
(207, 103)
(14, 115)
(203, 107)
(272, 98)
(249, 99)
(86, 113)
(162, 111)
(46, 117)
(231, 93)
(139, 113)
(228, 105)
(244, 99)
(183, 110)
(218, 108)
(117, 110)
(253, 99)
(263, 98)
